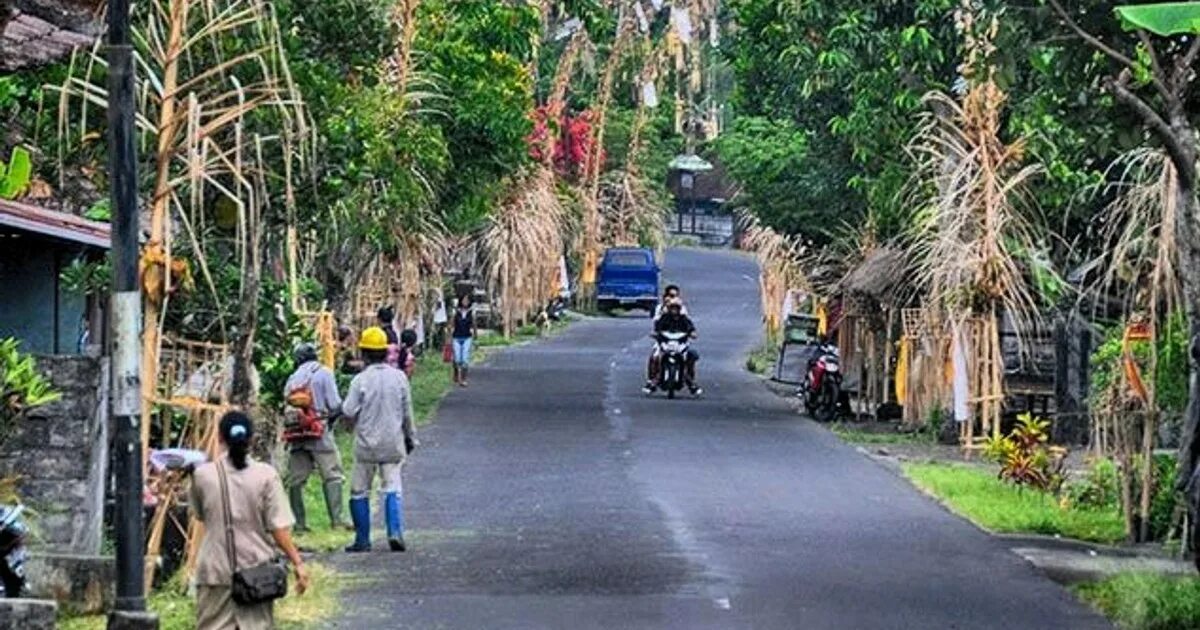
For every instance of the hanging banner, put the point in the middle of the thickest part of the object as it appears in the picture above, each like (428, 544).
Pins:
(649, 95)
(564, 278)
(902, 371)
(643, 23)
(789, 305)
(1133, 374)
(961, 388)
(682, 20)
(439, 310)
(588, 275)
(418, 325)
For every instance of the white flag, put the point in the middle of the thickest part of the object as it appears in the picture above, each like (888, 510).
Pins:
(962, 405)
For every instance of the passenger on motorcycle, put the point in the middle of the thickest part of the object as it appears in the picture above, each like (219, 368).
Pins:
(675, 320)
(670, 293)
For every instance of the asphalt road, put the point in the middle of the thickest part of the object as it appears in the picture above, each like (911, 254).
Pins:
(552, 494)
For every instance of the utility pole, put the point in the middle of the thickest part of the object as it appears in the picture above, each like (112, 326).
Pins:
(126, 317)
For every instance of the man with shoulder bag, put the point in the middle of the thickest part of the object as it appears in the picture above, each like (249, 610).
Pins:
(312, 406)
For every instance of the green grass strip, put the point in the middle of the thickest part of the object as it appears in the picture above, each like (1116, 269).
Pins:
(176, 610)
(998, 506)
(1141, 601)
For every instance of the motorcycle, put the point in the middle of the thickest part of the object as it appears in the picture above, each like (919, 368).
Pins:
(556, 310)
(673, 348)
(822, 386)
(12, 551)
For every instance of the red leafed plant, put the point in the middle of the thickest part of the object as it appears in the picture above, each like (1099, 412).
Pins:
(573, 142)
(1025, 458)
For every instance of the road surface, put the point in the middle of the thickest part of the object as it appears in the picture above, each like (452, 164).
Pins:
(552, 494)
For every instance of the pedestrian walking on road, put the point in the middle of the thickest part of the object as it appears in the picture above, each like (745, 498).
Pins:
(379, 404)
(387, 323)
(408, 352)
(247, 522)
(313, 407)
(463, 334)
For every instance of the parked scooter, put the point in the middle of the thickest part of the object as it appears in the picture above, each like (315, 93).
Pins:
(12, 551)
(673, 348)
(556, 310)
(822, 386)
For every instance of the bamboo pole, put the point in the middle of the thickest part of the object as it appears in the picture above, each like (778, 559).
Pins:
(591, 220)
(168, 128)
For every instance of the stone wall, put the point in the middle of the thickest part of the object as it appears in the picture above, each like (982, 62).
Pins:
(60, 454)
(27, 614)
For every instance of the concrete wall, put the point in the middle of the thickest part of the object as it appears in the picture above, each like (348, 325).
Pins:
(60, 452)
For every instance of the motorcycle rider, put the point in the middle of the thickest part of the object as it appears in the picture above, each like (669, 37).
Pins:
(674, 320)
(672, 292)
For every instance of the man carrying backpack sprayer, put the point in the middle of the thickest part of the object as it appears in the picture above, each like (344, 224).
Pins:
(313, 405)
(379, 404)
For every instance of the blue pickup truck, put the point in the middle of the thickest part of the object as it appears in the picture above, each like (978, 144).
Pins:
(628, 277)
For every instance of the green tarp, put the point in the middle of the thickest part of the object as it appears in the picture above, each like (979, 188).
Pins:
(1167, 19)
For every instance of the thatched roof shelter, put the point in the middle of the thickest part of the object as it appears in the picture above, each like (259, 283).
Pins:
(882, 277)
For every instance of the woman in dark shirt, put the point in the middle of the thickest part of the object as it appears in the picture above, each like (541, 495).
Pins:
(463, 332)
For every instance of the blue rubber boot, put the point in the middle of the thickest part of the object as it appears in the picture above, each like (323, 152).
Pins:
(393, 511)
(360, 513)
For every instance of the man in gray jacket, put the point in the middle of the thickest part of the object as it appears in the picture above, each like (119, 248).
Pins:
(307, 450)
(379, 404)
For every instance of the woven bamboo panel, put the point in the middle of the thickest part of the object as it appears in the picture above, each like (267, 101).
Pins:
(915, 323)
(191, 370)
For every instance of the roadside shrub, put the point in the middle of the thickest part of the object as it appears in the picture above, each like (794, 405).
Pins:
(1164, 499)
(1025, 458)
(1100, 488)
(22, 386)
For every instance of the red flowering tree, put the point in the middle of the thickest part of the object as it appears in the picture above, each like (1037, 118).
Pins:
(574, 142)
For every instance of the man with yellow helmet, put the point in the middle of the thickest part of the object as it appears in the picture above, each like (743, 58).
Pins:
(379, 404)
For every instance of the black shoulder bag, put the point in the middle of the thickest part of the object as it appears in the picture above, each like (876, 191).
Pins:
(260, 584)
